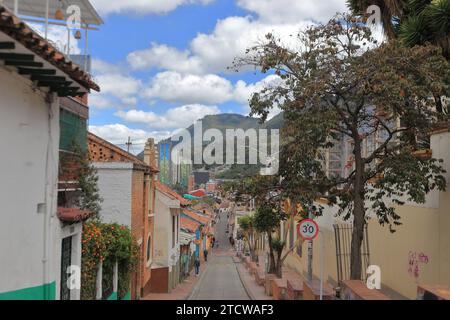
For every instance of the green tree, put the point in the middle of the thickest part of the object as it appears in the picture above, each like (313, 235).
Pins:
(339, 89)
(76, 165)
(273, 209)
(247, 226)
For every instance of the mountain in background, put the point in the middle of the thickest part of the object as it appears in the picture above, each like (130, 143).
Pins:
(226, 121)
(235, 121)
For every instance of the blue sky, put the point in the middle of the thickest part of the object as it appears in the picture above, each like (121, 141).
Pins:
(162, 64)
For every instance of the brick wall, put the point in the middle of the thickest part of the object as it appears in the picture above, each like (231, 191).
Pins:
(140, 221)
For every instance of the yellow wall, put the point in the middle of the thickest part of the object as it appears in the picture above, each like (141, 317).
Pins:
(425, 232)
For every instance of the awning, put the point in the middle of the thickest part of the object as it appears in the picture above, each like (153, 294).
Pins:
(186, 237)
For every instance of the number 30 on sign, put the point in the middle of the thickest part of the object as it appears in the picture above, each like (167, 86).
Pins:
(308, 229)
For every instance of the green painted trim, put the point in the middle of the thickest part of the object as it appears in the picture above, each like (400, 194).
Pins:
(44, 292)
(127, 296)
(113, 296)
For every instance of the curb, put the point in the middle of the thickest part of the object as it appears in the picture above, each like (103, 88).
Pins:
(247, 290)
(197, 285)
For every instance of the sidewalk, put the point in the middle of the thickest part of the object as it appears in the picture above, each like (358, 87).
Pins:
(182, 291)
(255, 291)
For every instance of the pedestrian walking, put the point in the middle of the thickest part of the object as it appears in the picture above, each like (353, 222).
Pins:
(205, 253)
(197, 266)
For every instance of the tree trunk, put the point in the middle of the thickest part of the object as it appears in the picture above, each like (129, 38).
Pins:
(279, 268)
(272, 264)
(358, 214)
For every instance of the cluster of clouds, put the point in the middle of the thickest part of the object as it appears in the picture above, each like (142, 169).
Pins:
(193, 79)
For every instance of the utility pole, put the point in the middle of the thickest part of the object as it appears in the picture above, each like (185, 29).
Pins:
(310, 253)
(129, 144)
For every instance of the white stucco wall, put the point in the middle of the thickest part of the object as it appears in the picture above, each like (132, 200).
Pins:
(165, 255)
(29, 128)
(114, 182)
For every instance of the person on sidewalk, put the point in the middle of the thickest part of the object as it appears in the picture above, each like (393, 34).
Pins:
(197, 266)
(205, 253)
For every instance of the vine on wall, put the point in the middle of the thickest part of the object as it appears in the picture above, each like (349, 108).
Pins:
(107, 243)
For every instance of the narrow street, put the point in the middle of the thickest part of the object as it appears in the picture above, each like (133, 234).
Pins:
(220, 280)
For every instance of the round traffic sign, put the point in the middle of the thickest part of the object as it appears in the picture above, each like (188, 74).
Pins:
(308, 229)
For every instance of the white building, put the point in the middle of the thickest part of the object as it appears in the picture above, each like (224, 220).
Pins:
(37, 240)
(166, 256)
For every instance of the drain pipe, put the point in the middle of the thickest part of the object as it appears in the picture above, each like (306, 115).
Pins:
(49, 175)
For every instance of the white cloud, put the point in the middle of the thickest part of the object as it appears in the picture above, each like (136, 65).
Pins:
(143, 6)
(176, 118)
(215, 52)
(103, 67)
(243, 91)
(189, 89)
(164, 57)
(288, 11)
(99, 101)
(120, 86)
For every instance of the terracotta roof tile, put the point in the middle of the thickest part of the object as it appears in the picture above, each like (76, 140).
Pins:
(196, 216)
(21, 32)
(165, 189)
(189, 224)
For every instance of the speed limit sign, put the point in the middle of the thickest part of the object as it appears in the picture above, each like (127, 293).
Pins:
(308, 229)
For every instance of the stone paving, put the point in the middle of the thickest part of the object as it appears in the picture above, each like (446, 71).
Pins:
(220, 281)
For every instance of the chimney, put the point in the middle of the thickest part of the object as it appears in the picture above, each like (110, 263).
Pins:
(150, 153)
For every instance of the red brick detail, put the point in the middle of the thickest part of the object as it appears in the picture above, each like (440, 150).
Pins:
(311, 291)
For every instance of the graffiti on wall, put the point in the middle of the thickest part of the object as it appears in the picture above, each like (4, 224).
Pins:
(415, 260)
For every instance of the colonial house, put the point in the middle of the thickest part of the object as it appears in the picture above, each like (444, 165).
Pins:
(40, 233)
(126, 186)
(166, 261)
(194, 229)
(204, 234)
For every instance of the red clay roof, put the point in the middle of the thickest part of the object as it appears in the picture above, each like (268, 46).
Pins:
(95, 143)
(72, 215)
(196, 216)
(165, 189)
(189, 224)
(198, 193)
(21, 32)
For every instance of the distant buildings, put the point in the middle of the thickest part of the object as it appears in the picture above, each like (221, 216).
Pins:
(174, 169)
(201, 177)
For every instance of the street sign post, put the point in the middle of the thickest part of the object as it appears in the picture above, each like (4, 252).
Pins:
(308, 229)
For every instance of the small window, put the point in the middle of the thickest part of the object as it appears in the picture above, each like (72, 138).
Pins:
(149, 248)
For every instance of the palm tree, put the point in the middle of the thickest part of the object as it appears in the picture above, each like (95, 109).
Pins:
(428, 21)
(392, 11)
(414, 22)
